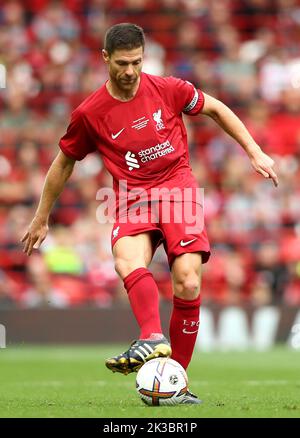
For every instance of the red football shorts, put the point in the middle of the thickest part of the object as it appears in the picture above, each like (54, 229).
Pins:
(178, 225)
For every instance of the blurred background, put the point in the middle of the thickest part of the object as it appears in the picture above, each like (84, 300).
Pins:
(245, 53)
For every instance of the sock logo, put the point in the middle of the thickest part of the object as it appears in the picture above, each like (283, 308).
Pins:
(193, 327)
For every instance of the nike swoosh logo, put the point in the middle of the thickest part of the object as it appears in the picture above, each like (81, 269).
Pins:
(114, 136)
(189, 333)
(182, 243)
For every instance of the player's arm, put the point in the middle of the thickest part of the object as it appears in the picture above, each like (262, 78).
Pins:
(58, 173)
(231, 124)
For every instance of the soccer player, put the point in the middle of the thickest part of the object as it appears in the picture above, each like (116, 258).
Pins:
(135, 122)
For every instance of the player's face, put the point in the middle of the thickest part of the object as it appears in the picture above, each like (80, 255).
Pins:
(124, 67)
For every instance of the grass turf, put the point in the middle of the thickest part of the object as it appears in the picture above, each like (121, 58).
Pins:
(73, 382)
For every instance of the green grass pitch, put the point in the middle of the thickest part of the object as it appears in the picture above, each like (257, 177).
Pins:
(73, 382)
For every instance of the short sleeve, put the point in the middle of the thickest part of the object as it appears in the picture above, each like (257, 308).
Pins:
(77, 142)
(186, 98)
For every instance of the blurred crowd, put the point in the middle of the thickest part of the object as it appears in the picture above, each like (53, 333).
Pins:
(244, 52)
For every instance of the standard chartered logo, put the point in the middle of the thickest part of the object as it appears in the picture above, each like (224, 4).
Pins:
(149, 154)
(131, 161)
(155, 152)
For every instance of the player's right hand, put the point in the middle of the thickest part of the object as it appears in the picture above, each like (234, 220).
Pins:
(264, 165)
(35, 235)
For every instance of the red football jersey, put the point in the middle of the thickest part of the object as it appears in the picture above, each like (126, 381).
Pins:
(142, 141)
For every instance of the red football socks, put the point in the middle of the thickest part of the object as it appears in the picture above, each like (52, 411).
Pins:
(184, 325)
(144, 300)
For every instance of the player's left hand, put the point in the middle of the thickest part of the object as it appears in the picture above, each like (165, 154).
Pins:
(264, 164)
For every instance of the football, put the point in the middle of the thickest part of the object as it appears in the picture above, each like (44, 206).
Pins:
(161, 382)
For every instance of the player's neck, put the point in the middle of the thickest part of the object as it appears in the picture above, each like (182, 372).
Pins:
(119, 94)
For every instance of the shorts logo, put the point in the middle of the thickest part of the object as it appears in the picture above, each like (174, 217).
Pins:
(116, 232)
(131, 161)
(182, 243)
(157, 118)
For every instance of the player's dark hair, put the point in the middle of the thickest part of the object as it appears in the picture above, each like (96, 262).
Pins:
(124, 36)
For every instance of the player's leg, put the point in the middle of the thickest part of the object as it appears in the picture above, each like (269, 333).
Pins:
(187, 247)
(184, 323)
(132, 255)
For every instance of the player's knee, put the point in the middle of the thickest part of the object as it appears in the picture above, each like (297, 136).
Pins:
(187, 287)
(124, 267)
